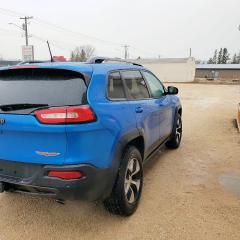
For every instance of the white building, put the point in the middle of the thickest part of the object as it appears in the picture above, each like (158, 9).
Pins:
(171, 69)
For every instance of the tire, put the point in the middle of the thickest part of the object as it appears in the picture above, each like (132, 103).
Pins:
(127, 191)
(176, 137)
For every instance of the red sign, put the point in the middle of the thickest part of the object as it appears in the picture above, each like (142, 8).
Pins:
(59, 59)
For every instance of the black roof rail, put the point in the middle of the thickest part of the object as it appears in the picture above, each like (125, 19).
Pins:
(100, 60)
(30, 62)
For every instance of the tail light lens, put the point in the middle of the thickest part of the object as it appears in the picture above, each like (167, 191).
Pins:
(66, 175)
(78, 114)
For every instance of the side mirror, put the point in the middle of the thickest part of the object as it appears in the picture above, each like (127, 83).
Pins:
(172, 90)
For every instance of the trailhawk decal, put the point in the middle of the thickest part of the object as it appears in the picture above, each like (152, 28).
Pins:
(48, 154)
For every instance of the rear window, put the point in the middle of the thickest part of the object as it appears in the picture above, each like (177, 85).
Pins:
(42, 86)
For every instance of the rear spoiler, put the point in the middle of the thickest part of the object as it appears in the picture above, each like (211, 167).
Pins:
(36, 71)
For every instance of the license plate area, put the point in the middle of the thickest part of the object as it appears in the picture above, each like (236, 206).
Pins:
(18, 170)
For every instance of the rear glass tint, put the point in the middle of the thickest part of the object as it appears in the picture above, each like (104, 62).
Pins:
(135, 84)
(115, 86)
(42, 86)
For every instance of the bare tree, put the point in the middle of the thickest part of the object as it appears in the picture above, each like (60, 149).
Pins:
(82, 53)
(89, 51)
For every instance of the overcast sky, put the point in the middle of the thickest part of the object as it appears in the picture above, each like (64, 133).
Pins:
(151, 27)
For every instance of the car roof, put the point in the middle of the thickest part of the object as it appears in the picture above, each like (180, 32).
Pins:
(86, 68)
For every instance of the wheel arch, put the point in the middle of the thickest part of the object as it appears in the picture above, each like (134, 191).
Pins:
(137, 142)
(134, 138)
(131, 138)
(179, 110)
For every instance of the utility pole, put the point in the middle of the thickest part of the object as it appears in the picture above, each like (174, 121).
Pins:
(126, 51)
(25, 27)
(190, 52)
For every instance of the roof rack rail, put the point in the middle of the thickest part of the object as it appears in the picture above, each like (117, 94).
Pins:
(30, 62)
(100, 60)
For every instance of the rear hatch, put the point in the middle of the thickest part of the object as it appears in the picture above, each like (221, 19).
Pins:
(23, 92)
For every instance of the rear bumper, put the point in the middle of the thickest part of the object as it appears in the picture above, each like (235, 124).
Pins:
(30, 178)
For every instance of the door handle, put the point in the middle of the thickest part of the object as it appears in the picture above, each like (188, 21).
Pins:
(139, 110)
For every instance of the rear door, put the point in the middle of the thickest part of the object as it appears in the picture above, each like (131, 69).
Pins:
(22, 137)
(146, 110)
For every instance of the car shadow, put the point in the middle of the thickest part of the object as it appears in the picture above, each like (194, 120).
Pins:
(155, 159)
(45, 217)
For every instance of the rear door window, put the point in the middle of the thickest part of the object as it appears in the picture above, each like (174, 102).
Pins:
(42, 86)
(135, 85)
(115, 90)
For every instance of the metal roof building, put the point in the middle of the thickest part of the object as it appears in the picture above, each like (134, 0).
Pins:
(218, 66)
(218, 71)
(4, 63)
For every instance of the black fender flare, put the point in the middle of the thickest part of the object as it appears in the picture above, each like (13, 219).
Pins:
(116, 160)
(179, 107)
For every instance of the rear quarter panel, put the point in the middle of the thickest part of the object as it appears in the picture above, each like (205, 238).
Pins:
(95, 143)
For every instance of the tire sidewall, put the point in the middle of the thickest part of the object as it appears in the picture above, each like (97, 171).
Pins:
(174, 135)
(130, 153)
(178, 118)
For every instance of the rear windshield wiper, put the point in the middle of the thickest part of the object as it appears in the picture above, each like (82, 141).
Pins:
(19, 106)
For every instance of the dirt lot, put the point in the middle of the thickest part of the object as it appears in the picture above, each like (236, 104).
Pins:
(189, 193)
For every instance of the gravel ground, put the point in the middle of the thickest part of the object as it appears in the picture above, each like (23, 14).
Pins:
(189, 193)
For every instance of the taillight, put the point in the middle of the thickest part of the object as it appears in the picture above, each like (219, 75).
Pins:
(66, 175)
(64, 115)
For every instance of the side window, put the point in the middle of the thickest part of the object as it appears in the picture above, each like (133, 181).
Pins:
(135, 84)
(115, 88)
(156, 88)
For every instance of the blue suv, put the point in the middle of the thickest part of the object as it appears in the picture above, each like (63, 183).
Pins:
(83, 130)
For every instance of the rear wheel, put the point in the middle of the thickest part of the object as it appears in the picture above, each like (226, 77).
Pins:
(126, 193)
(175, 140)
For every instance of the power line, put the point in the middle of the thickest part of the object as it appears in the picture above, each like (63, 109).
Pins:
(60, 28)
(5, 30)
(51, 41)
(144, 50)
(10, 12)
(37, 20)
(40, 21)
(34, 36)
